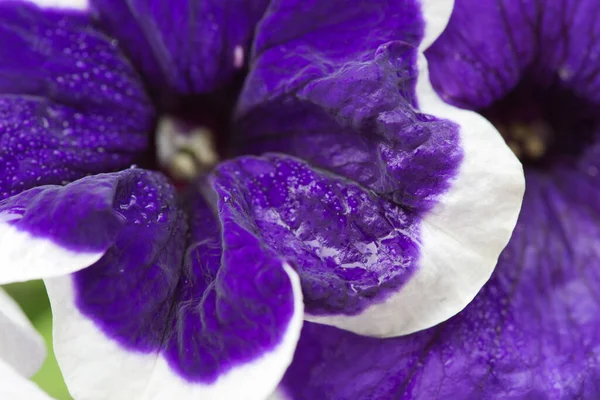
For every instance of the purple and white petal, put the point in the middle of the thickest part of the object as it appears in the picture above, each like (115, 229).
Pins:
(351, 95)
(184, 302)
(532, 332)
(343, 239)
(70, 104)
(72, 5)
(22, 349)
(436, 14)
(183, 47)
(50, 230)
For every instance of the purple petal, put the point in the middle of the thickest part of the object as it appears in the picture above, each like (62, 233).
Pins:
(351, 95)
(349, 246)
(180, 304)
(503, 66)
(532, 332)
(488, 55)
(53, 230)
(381, 141)
(70, 105)
(186, 47)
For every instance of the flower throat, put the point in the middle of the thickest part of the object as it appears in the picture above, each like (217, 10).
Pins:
(193, 133)
(544, 125)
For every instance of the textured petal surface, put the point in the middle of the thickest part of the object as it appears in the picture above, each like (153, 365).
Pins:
(181, 304)
(344, 240)
(351, 95)
(70, 104)
(187, 47)
(22, 349)
(488, 55)
(532, 332)
(14, 386)
(53, 230)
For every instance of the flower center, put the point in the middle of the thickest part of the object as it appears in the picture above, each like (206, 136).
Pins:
(544, 125)
(193, 132)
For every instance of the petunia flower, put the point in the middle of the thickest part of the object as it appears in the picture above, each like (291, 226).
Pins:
(22, 352)
(351, 195)
(533, 332)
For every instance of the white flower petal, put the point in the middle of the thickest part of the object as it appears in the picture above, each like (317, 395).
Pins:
(21, 346)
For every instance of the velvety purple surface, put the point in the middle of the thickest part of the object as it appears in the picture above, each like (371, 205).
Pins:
(552, 48)
(79, 216)
(350, 246)
(337, 88)
(164, 286)
(531, 333)
(550, 42)
(182, 47)
(323, 90)
(70, 104)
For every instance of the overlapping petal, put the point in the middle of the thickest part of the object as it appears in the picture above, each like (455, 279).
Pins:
(178, 301)
(70, 104)
(350, 95)
(532, 332)
(342, 238)
(53, 230)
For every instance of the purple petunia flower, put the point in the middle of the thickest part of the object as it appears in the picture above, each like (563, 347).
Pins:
(351, 195)
(533, 332)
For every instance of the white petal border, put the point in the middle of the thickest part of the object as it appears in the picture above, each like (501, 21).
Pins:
(461, 238)
(436, 14)
(24, 257)
(81, 5)
(96, 367)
